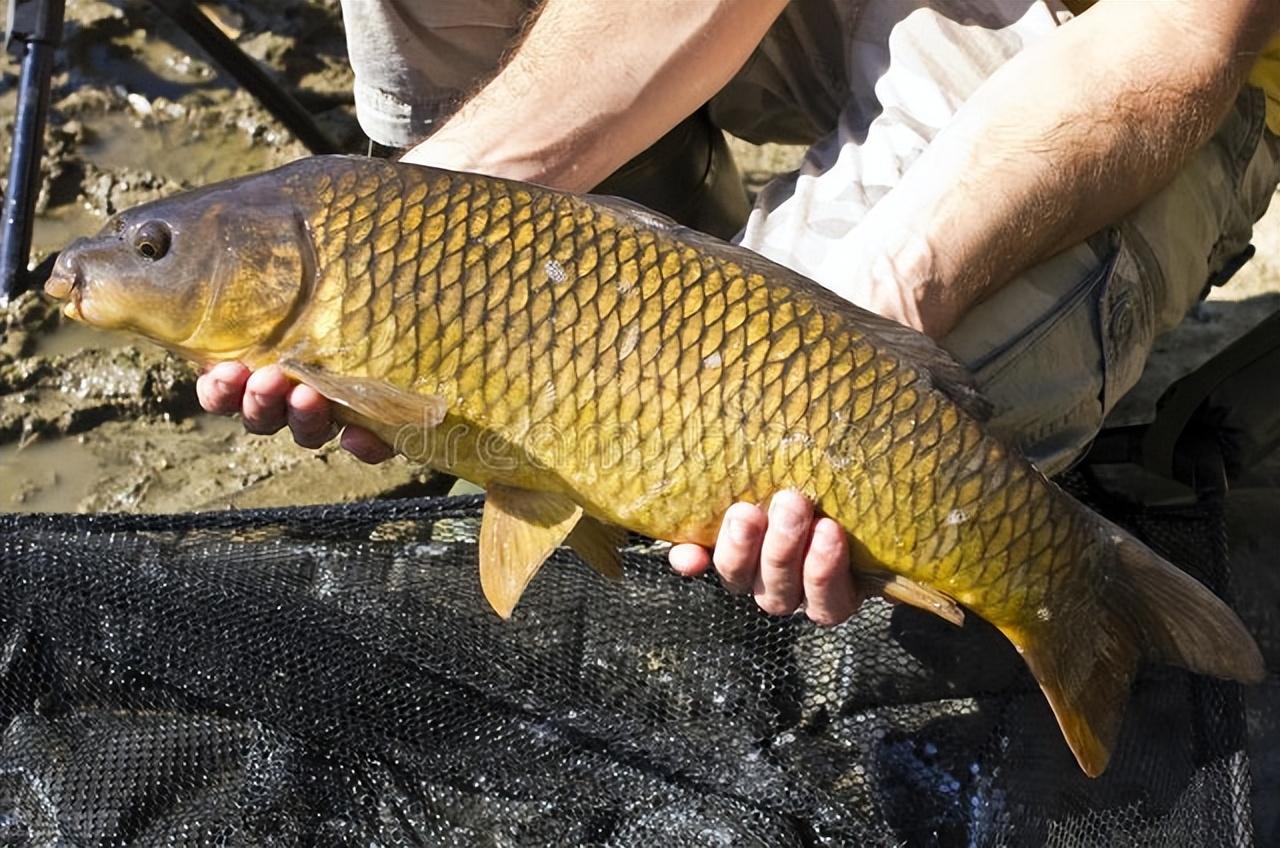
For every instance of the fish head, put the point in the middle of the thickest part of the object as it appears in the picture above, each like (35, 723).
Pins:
(210, 274)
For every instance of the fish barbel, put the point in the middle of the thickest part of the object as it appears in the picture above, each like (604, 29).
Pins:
(595, 366)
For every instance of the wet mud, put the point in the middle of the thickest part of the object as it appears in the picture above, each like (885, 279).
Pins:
(95, 421)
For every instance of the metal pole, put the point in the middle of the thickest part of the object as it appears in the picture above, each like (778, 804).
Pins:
(36, 44)
(246, 71)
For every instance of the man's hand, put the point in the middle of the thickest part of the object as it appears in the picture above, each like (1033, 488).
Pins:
(784, 558)
(268, 400)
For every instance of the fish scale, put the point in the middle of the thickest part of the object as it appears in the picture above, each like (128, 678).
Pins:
(593, 364)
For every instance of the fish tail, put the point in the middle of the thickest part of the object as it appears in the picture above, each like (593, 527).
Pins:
(1137, 606)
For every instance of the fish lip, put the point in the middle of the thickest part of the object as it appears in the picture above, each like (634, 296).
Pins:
(61, 284)
(71, 308)
(67, 288)
(66, 283)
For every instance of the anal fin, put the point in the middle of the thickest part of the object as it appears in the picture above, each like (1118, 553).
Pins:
(597, 543)
(895, 587)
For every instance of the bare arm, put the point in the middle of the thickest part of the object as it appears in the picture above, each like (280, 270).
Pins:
(1063, 140)
(593, 84)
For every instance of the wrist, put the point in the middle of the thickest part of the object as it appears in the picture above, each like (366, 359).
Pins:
(902, 278)
(442, 151)
(472, 142)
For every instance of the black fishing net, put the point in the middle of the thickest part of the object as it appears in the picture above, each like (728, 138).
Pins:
(332, 676)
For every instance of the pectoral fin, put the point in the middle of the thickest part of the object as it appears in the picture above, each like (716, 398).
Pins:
(376, 400)
(895, 587)
(519, 530)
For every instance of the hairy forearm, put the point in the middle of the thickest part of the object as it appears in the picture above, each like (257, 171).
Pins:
(1063, 140)
(593, 84)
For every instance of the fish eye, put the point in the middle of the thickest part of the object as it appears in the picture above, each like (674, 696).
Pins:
(152, 240)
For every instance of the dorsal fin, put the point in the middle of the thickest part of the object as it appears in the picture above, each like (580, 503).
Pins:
(945, 373)
(633, 213)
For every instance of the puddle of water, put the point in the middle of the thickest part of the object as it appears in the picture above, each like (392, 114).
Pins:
(61, 225)
(47, 476)
(72, 337)
(161, 62)
(60, 474)
(173, 149)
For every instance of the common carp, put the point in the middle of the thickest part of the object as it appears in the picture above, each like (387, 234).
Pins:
(595, 366)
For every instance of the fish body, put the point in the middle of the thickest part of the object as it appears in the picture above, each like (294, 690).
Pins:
(594, 366)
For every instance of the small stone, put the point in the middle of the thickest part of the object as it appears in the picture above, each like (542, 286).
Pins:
(139, 104)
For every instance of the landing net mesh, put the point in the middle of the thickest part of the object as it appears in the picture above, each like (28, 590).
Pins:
(332, 676)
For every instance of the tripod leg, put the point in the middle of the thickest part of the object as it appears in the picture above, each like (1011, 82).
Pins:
(37, 49)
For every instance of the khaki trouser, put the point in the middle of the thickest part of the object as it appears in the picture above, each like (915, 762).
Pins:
(868, 84)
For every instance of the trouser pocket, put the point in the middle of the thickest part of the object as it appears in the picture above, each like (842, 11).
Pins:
(1125, 316)
(1047, 380)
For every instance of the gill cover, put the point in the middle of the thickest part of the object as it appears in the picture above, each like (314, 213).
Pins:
(259, 276)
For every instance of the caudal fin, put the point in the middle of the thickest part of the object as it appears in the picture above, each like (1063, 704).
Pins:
(1085, 656)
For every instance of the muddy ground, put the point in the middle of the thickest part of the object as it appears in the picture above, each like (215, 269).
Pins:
(91, 421)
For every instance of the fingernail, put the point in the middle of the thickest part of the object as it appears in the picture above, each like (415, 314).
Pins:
(222, 385)
(739, 533)
(781, 517)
